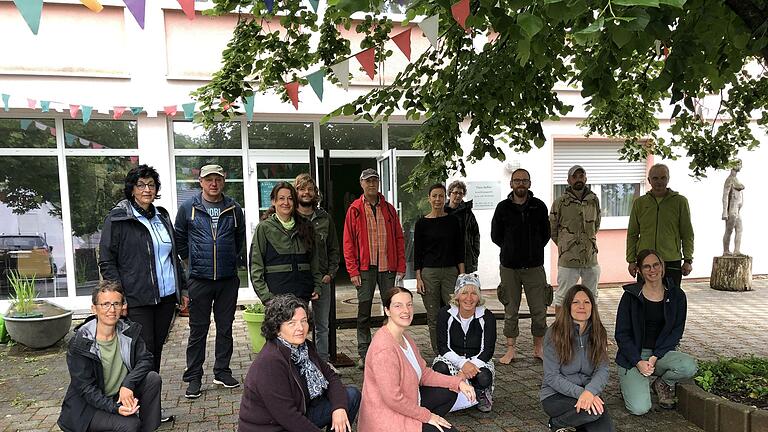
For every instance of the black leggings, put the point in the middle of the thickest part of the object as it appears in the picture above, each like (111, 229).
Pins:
(155, 322)
(560, 409)
(439, 401)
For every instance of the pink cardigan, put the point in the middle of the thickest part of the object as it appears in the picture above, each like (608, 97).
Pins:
(391, 387)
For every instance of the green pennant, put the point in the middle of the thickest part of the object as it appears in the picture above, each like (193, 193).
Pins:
(86, 110)
(31, 11)
(249, 107)
(6, 98)
(24, 123)
(314, 4)
(189, 110)
(137, 110)
(316, 81)
(45, 106)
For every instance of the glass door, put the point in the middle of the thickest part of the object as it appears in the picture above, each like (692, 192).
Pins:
(387, 163)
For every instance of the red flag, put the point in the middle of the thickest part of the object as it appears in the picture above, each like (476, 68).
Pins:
(117, 112)
(292, 89)
(367, 59)
(403, 41)
(73, 110)
(31, 103)
(188, 6)
(170, 110)
(460, 11)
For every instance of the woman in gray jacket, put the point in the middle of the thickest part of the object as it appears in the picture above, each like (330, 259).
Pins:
(576, 366)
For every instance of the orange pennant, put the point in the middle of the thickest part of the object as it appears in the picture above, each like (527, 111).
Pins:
(460, 12)
(170, 110)
(403, 41)
(188, 6)
(292, 89)
(117, 112)
(93, 5)
(367, 59)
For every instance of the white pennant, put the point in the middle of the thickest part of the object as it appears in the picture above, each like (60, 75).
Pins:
(430, 28)
(341, 70)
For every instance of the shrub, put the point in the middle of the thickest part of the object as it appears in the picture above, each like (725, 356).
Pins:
(740, 379)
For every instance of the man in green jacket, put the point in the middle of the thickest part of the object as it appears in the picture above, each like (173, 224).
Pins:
(661, 220)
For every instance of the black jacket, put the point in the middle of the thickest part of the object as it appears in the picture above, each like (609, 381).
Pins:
(479, 341)
(211, 255)
(630, 323)
(126, 255)
(521, 231)
(85, 393)
(471, 231)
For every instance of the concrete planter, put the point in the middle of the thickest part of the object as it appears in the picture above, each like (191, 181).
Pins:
(716, 414)
(39, 332)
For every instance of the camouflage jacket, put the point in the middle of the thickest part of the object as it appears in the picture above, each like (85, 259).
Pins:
(574, 224)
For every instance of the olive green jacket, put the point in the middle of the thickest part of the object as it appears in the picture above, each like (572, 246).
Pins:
(574, 223)
(326, 242)
(664, 226)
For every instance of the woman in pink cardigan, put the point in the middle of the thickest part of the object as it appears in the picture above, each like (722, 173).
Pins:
(400, 393)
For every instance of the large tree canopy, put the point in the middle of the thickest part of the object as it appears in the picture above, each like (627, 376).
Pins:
(630, 58)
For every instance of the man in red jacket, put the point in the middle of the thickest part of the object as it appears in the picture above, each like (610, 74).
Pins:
(374, 251)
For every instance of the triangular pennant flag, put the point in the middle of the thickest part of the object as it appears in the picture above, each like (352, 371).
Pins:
(93, 5)
(188, 6)
(117, 112)
(96, 145)
(69, 138)
(137, 110)
(403, 41)
(6, 98)
(189, 110)
(31, 103)
(30, 10)
(170, 110)
(40, 126)
(341, 70)
(367, 58)
(292, 88)
(73, 110)
(249, 107)
(25, 124)
(270, 5)
(316, 81)
(52, 131)
(87, 113)
(137, 8)
(314, 4)
(430, 28)
(224, 104)
(45, 106)
(460, 12)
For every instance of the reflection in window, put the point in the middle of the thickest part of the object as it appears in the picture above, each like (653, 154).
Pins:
(274, 135)
(223, 135)
(350, 136)
(27, 133)
(100, 134)
(31, 230)
(615, 199)
(396, 6)
(270, 174)
(411, 206)
(401, 136)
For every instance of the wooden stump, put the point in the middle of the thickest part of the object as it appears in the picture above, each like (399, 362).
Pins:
(731, 273)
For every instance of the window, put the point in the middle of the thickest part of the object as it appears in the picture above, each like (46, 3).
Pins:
(280, 135)
(224, 135)
(100, 134)
(350, 136)
(401, 136)
(270, 174)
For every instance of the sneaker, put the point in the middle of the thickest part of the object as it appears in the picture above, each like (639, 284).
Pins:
(194, 390)
(560, 429)
(484, 401)
(165, 417)
(226, 381)
(665, 392)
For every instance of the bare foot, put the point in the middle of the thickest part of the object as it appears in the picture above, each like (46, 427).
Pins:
(538, 352)
(509, 356)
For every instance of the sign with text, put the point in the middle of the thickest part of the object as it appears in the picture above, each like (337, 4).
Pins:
(486, 195)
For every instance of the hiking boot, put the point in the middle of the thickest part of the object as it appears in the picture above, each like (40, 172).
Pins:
(484, 401)
(194, 390)
(226, 381)
(665, 392)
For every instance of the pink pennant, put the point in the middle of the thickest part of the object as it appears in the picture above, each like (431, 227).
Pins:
(292, 89)
(134, 160)
(460, 12)
(170, 110)
(403, 41)
(52, 131)
(73, 110)
(225, 104)
(188, 6)
(31, 103)
(117, 112)
(367, 59)
(96, 145)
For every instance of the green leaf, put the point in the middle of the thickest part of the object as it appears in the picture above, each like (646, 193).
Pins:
(531, 24)
(596, 26)
(674, 3)
(523, 51)
(646, 3)
(621, 36)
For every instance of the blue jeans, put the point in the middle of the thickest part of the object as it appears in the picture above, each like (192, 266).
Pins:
(320, 409)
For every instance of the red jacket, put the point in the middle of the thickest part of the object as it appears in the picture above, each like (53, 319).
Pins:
(356, 253)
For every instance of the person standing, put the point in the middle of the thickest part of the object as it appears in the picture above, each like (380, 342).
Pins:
(374, 251)
(210, 232)
(462, 210)
(328, 252)
(520, 227)
(574, 221)
(661, 220)
(438, 258)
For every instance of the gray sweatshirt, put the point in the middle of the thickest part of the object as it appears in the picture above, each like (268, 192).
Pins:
(573, 378)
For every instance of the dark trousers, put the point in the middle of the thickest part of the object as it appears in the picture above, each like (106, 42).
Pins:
(320, 409)
(560, 409)
(146, 420)
(205, 295)
(481, 381)
(155, 321)
(369, 280)
(439, 401)
(672, 269)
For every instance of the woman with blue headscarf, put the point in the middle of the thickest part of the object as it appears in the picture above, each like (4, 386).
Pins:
(466, 337)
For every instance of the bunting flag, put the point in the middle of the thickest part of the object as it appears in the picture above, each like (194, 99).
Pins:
(460, 12)
(314, 4)
(117, 112)
(87, 113)
(316, 81)
(249, 107)
(93, 5)
(367, 59)
(30, 10)
(73, 110)
(137, 8)
(25, 124)
(341, 70)
(45, 106)
(136, 110)
(170, 110)
(430, 27)
(189, 110)
(403, 41)
(292, 88)
(6, 98)
(270, 5)
(69, 138)
(188, 6)
(31, 103)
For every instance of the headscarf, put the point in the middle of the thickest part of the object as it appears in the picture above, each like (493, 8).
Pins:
(316, 382)
(465, 279)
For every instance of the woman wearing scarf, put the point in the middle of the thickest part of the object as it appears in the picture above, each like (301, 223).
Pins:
(288, 387)
(137, 249)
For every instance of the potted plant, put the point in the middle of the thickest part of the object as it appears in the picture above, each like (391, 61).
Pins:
(32, 322)
(254, 317)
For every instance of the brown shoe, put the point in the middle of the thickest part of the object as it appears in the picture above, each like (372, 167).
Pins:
(665, 392)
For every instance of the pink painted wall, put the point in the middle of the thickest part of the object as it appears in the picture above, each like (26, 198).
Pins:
(611, 256)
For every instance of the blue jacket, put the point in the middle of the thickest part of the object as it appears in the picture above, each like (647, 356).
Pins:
(211, 255)
(630, 323)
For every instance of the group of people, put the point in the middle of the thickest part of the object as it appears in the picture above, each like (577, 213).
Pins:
(294, 256)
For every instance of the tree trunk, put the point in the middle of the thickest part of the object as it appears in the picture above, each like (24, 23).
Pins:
(731, 273)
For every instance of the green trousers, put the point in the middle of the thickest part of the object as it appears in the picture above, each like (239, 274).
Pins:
(636, 389)
(439, 283)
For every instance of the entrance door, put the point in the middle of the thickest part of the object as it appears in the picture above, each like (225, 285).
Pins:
(387, 163)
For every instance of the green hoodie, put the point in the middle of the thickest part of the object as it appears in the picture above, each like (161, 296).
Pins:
(663, 225)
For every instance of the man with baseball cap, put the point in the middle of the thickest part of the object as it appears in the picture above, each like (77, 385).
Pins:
(374, 251)
(210, 234)
(574, 221)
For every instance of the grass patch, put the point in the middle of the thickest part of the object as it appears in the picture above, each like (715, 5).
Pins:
(739, 379)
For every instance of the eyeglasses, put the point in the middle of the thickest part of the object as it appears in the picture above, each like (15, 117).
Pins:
(457, 193)
(142, 186)
(107, 305)
(655, 266)
(521, 181)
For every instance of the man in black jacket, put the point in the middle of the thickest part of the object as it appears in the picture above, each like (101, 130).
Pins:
(113, 386)
(210, 236)
(520, 227)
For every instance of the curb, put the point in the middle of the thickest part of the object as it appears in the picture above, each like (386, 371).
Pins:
(716, 414)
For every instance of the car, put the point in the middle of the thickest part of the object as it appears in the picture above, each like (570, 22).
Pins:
(28, 254)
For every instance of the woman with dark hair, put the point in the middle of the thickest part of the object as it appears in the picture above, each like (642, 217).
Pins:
(288, 387)
(138, 250)
(650, 322)
(400, 393)
(283, 257)
(438, 257)
(462, 210)
(576, 366)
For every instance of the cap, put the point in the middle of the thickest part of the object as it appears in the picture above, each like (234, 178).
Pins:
(464, 280)
(368, 173)
(211, 169)
(575, 168)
